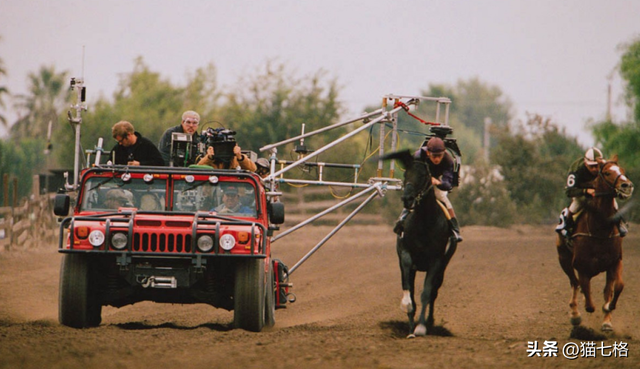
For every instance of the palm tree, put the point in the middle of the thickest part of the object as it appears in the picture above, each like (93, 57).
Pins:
(3, 91)
(47, 96)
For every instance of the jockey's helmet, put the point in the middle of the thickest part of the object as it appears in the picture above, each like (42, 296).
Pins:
(435, 145)
(592, 155)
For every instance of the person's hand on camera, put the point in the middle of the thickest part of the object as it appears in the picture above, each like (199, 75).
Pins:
(210, 152)
(237, 151)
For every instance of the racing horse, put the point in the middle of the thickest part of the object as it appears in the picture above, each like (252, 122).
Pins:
(426, 244)
(596, 246)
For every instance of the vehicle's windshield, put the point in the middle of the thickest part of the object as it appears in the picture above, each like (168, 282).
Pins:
(111, 193)
(232, 198)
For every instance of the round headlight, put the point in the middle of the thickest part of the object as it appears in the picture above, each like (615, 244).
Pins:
(227, 242)
(119, 241)
(205, 243)
(96, 238)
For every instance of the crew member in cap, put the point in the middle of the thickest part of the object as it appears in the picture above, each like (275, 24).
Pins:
(580, 188)
(262, 167)
(441, 166)
(231, 202)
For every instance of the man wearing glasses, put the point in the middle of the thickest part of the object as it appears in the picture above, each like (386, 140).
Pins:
(189, 126)
(132, 148)
(441, 167)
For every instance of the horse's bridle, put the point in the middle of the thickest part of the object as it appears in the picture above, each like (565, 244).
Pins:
(428, 186)
(612, 186)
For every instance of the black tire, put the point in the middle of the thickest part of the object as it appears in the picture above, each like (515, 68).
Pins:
(270, 299)
(248, 297)
(78, 306)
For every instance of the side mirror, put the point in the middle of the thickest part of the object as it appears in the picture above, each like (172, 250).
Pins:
(276, 212)
(61, 205)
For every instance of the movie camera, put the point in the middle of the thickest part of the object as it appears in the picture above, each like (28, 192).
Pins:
(185, 149)
(222, 140)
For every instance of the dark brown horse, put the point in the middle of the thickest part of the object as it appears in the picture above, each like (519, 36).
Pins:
(596, 245)
(425, 245)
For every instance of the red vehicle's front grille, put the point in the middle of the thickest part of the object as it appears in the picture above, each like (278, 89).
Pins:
(161, 242)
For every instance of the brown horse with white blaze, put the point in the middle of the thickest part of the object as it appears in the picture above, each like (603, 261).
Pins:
(596, 245)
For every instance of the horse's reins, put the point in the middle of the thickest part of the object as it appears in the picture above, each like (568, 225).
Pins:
(428, 186)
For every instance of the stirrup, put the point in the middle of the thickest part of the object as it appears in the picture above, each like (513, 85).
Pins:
(455, 234)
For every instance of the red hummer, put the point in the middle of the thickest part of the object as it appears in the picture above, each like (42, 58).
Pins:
(169, 234)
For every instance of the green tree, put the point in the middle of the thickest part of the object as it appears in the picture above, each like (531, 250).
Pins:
(272, 106)
(483, 197)
(17, 158)
(623, 138)
(48, 92)
(477, 100)
(630, 72)
(534, 159)
(3, 91)
(147, 100)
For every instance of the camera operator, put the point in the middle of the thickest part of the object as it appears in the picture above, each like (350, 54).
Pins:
(189, 126)
(237, 161)
(222, 150)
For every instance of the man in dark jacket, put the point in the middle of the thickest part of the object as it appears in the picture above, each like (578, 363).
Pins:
(132, 148)
(188, 126)
(441, 167)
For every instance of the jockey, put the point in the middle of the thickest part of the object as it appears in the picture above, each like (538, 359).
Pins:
(441, 167)
(579, 188)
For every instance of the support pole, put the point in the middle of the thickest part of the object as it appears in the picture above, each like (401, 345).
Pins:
(323, 213)
(334, 143)
(336, 229)
(327, 128)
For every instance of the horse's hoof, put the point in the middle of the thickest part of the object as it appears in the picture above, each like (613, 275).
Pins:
(607, 327)
(420, 330)
(576, 320)
(590, 309)
(411, 336)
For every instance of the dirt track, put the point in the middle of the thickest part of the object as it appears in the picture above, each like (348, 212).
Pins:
(503, 289)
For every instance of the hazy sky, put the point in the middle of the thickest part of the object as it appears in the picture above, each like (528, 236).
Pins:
(549, 57)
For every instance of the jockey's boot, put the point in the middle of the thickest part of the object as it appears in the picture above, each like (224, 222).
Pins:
(455, 227)
(399, 227)
(622, 228)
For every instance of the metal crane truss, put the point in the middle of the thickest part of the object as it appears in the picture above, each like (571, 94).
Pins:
(375, 186)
